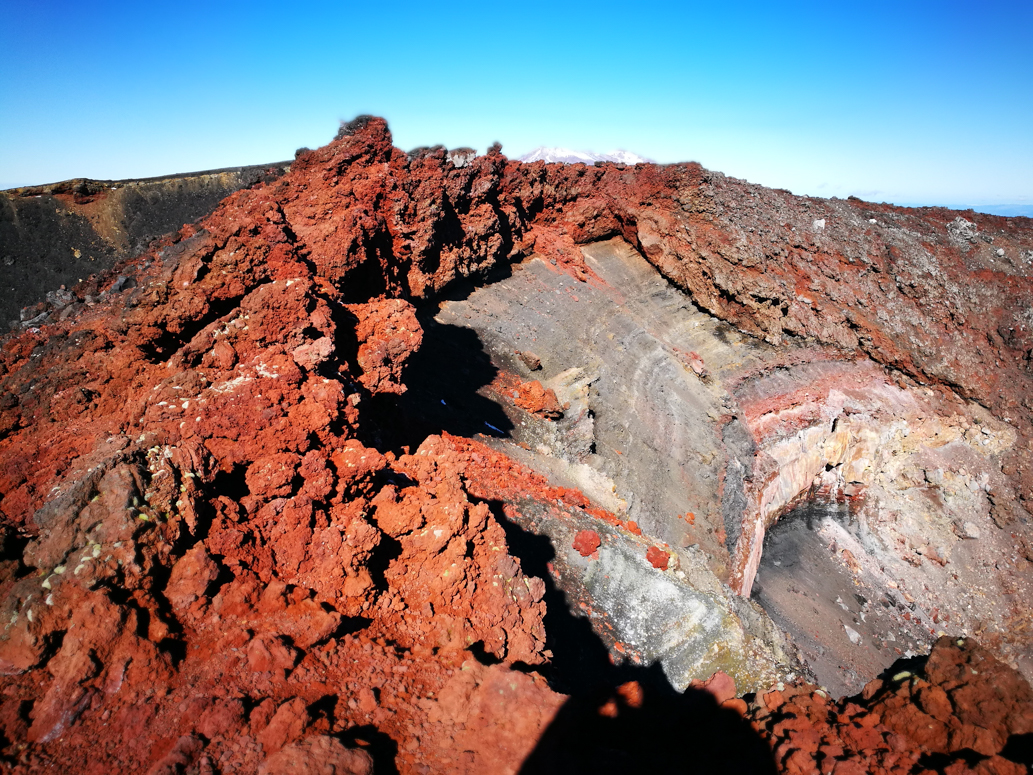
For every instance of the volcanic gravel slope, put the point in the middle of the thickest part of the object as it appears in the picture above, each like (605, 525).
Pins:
(229, 545)
(55, 235)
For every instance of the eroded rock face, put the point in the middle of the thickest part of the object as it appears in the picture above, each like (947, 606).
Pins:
(226, 533)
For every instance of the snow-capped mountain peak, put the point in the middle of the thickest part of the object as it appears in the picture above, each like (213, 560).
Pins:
(568, 156)
(626, 157)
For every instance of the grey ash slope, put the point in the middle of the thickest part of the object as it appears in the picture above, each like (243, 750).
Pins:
(58, 234)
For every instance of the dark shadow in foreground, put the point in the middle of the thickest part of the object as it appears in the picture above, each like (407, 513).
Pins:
(647, 726)
(444, 378)
(623, 718)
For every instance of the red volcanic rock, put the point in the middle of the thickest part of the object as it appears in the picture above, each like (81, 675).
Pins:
(539, 400)
(185, 753)
(191, 576)
(286, 725)
(319, 755)
(269, 654)
(223, 717)
(657, 557)
(455, 543)
(586, 542)
(271, 476)
(530, 360)
(354, 467)
(388, 333)
(495, 717)
(968, 700)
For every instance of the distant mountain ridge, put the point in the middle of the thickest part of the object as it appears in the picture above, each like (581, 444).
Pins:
(568, 156)
(1025, 210)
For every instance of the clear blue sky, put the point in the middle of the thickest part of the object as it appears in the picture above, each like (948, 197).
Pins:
(897, 101)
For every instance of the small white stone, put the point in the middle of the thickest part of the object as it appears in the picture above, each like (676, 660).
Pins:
(968, 530)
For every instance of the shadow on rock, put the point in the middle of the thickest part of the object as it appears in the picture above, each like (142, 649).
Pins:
(443, 379)
(378, 744)
(624, 718)
(643, 725)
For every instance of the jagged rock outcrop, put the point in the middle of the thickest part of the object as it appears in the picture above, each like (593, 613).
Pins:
(226, 534)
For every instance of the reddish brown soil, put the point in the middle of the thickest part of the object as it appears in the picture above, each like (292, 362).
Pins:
(210, 566)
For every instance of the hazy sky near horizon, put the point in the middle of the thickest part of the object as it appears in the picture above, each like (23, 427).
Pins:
(906, 102)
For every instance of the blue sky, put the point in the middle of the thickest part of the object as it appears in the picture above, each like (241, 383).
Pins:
(910, 102)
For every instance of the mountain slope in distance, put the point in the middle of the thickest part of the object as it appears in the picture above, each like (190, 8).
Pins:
(568, 156)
